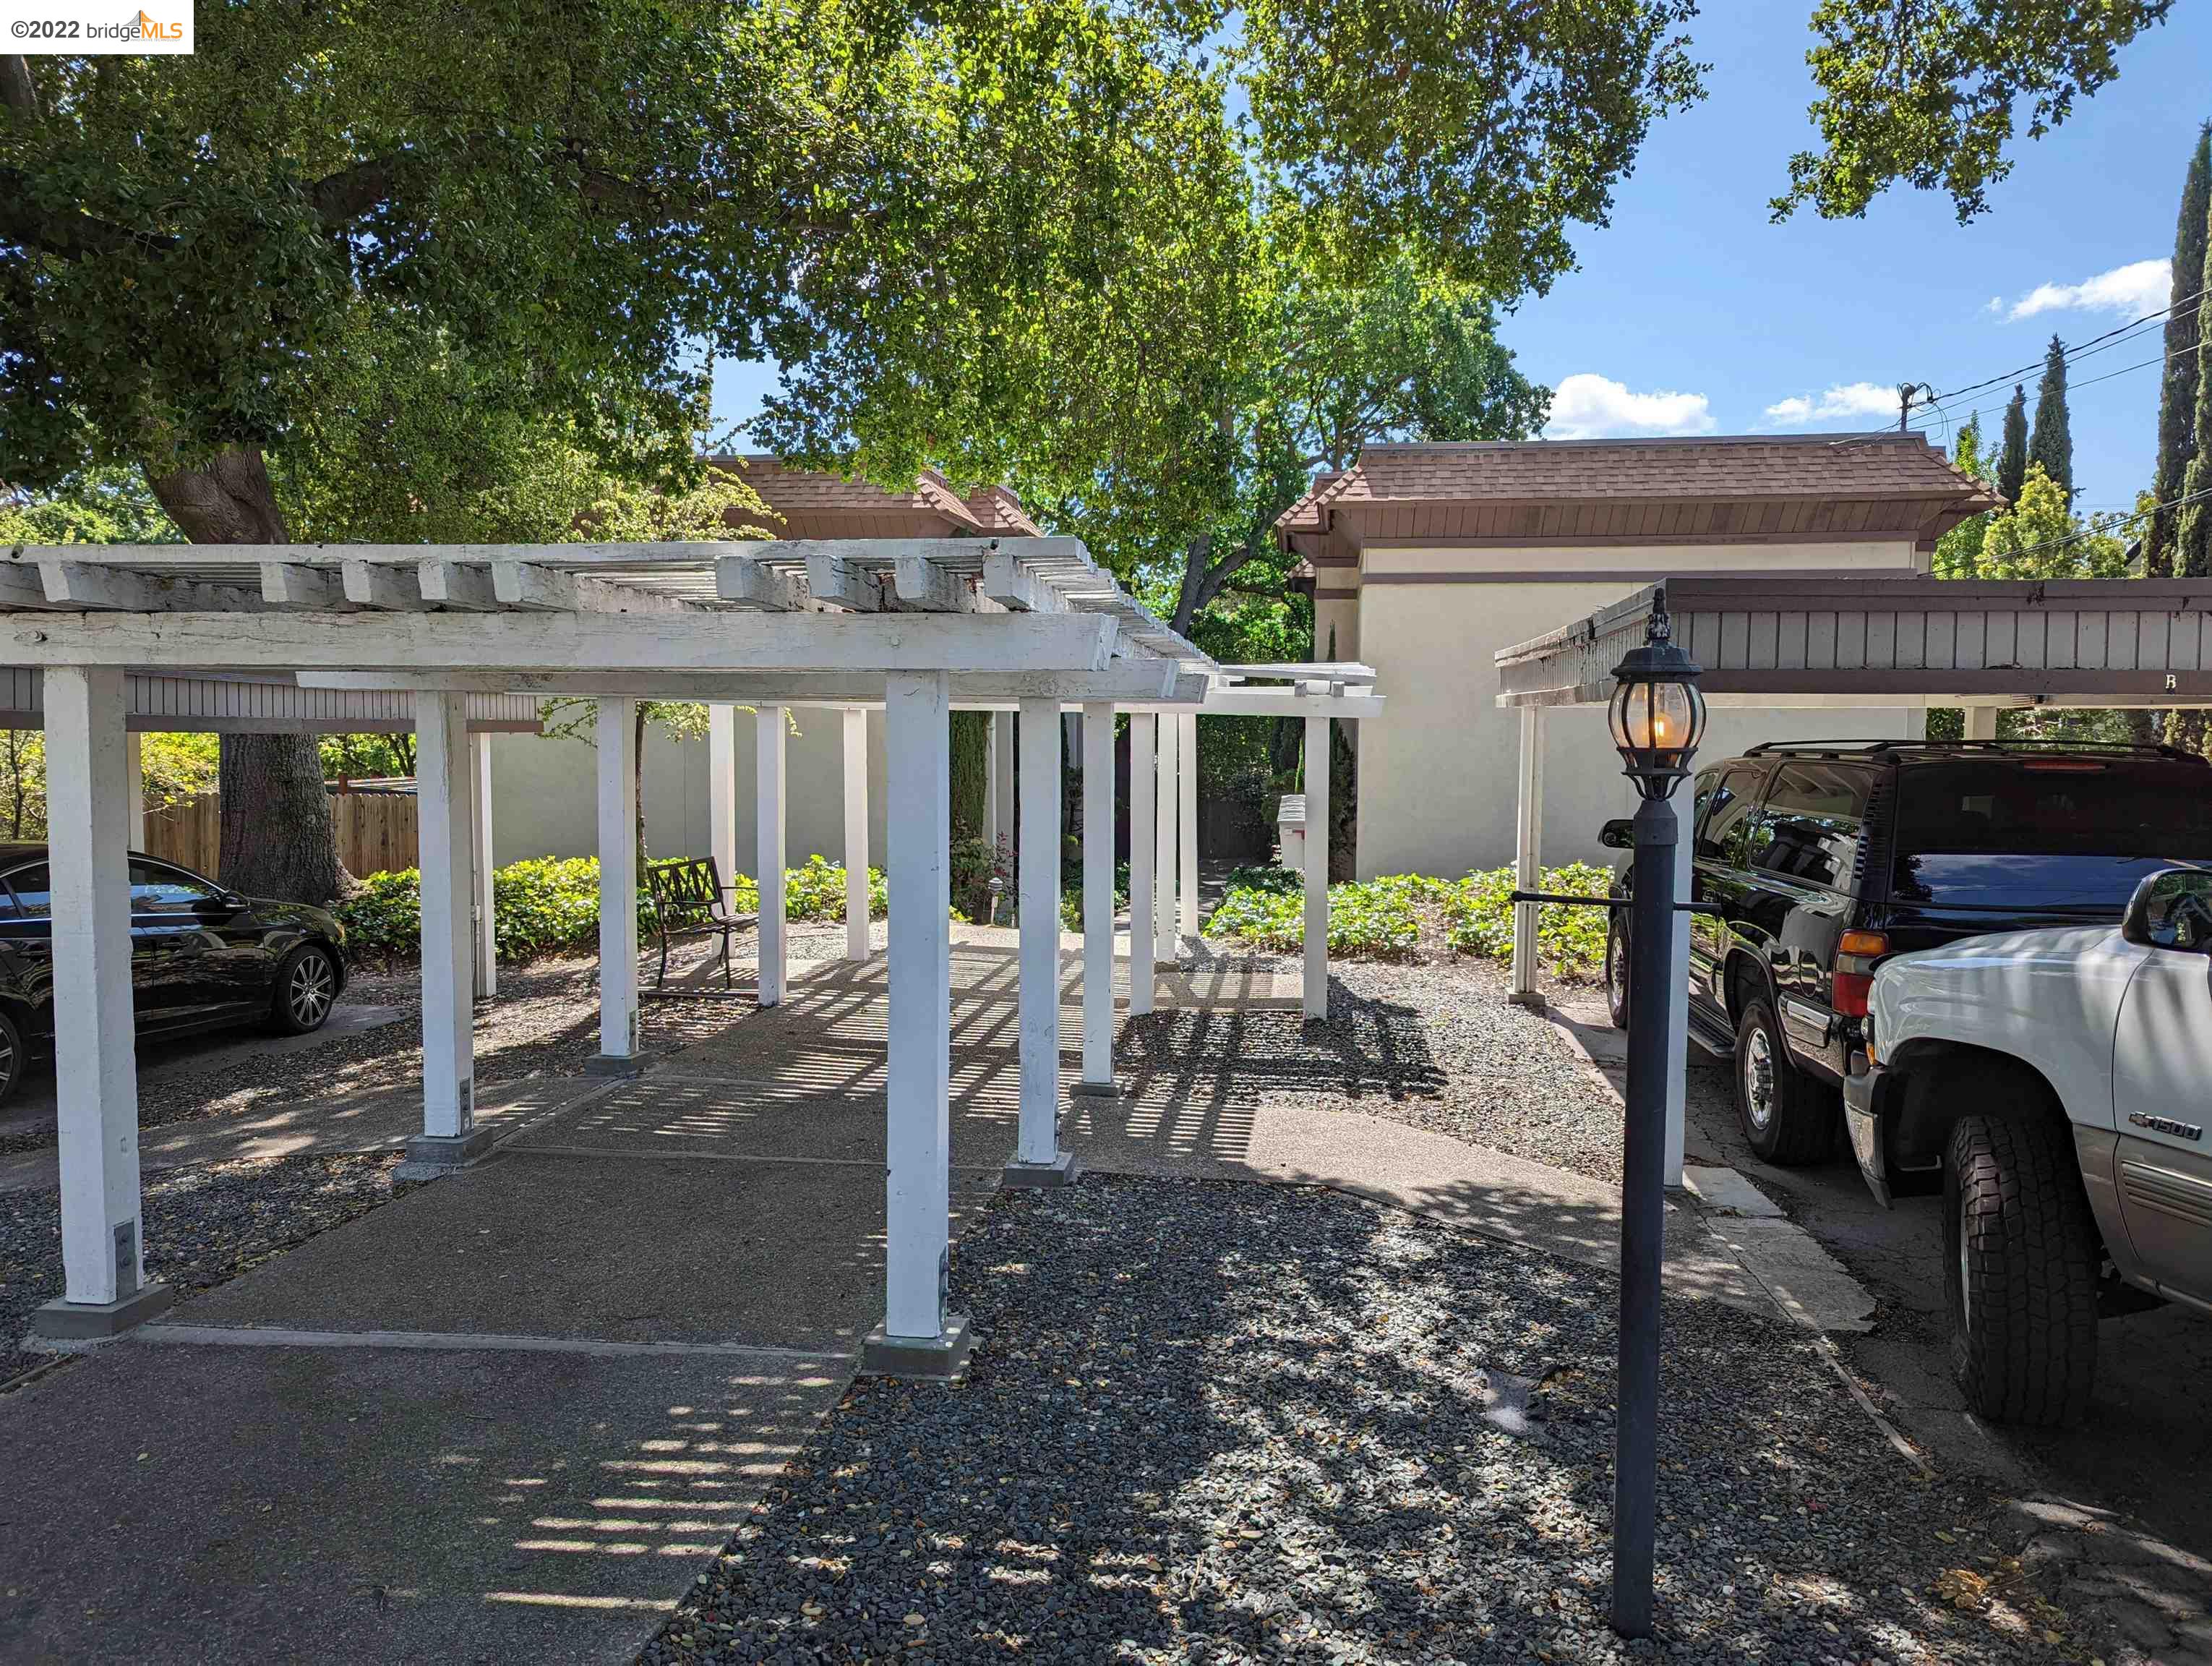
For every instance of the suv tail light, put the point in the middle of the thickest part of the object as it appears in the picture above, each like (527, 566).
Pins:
(1855, 955)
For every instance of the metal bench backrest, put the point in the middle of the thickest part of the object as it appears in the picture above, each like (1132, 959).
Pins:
(685, 890)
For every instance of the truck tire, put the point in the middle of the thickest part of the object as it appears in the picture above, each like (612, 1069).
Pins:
(1616, 971)
(1785, 1116)
(2020, 1271)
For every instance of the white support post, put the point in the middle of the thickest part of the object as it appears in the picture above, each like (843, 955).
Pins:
(444, 795)
(769, 810)
(722, 790)
(618, 748)
(1163, 846)
(856, 833)
(1678, 1043)
(1001, 816)
(1981, 723)
(485, 917)
(1097, 899)
(1316, 922)
(1186, 821)
(1143, 848)
(1038, 1160)
(134, 796)
(1527, 856)
(918, 1337)
(95, 1074)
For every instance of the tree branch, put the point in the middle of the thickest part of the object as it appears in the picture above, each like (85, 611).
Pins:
(18, 92)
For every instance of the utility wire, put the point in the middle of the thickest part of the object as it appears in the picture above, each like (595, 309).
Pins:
(2073, 352)
(2107, 529)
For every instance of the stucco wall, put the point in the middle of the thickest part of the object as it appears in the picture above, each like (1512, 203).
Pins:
(544, 793)
(1438, 770)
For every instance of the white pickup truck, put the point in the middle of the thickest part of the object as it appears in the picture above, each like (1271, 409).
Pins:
(2062, 1081)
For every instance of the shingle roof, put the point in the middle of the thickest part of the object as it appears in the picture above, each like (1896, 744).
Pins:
(1751, 486)
(811, 504)
(1760, 465)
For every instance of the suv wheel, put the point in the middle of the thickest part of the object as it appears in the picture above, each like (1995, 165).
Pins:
(2020, 1271)
(1786, 1117)
(11, 1057)
(306, 988)
(1616, 971)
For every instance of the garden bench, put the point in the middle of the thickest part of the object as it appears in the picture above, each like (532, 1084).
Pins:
(688, 901)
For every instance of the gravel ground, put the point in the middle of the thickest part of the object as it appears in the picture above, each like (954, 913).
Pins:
(1436, 1045)
(1218, 1423)
(545, 1022)
(203, 1225)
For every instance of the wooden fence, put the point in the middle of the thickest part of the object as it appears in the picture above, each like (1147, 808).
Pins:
(376, 830)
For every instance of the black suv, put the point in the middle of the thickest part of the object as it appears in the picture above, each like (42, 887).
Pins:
(1811, 861)
(201, 957)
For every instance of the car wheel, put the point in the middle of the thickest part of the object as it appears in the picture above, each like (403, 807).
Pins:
(1616, 971)
(1786, 1117)
(11, 1058)
(2020, 1271)
(306, 988)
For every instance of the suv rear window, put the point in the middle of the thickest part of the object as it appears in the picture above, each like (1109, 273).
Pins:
(2053, 832)
(1808, 828)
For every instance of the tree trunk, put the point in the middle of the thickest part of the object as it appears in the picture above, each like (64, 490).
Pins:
(277, 836)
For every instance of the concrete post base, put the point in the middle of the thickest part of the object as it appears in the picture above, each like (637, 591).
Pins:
(1040, 1177)
(1095, 1091)
(921, 1358)
(1532, 1000)
(91, 1322)
(430, 1155)
(610, 1064)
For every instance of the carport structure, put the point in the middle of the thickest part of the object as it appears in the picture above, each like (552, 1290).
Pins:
(1778, 640)
(915, 626)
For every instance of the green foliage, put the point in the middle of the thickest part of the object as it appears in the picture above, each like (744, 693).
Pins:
(366, 757)
(550, 905)
(2179, 380)
(1383, 918)
(89, 506)
(2012, 457)
(2052, 443)
(2039, 537)
(1958, 551)
(1071, 899)
(1569, 941)
(1930, 94)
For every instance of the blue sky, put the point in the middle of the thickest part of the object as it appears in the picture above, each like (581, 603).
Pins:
(1691, 314)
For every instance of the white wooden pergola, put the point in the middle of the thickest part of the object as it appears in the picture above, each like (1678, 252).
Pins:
(913, 626)
(1818, 640)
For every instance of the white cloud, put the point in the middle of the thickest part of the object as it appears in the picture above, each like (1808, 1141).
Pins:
(1843, 399)
(1591, 407)
(2142, 287)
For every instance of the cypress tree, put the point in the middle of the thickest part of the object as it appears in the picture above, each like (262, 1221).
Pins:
(2012, 456)
(2192, 523)
(2176, 397)
(2052, 443)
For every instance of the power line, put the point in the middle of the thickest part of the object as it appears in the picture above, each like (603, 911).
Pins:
(1986, 410)
(2073, 352)
(2107, 529)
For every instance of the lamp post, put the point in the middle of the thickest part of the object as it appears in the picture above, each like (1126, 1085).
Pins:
(1657, 717)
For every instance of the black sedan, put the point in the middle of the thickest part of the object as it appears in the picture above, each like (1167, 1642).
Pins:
(202, 957)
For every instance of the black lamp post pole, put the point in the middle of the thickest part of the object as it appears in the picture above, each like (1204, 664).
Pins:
(1653, 1003)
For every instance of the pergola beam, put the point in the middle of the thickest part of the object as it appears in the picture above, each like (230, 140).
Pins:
(556, 644)
(1131, 683)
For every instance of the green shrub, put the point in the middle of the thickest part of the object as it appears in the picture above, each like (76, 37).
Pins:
(1569, 941)
(1373, 919)
(1071, 901)
(1382, 918)
(550, 905)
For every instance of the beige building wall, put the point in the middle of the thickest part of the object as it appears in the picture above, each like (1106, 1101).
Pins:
(543, 791)
(1438, 771)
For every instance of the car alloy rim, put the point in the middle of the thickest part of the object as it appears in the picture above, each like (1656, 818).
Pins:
(310, 993)
(1616, 970)
(1759, 1077)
